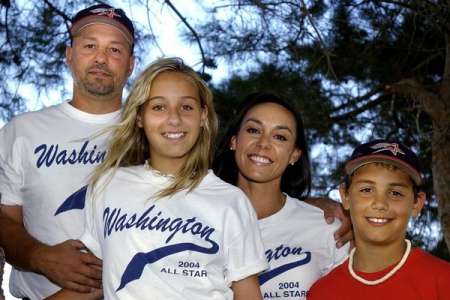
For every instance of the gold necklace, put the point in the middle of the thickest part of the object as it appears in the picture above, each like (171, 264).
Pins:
(385, 277)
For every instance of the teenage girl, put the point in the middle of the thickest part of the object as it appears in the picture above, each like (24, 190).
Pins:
(165, 226)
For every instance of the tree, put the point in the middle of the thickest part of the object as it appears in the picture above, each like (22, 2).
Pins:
(33, 39)
(372, 68)
(357, 68)
(24, 50)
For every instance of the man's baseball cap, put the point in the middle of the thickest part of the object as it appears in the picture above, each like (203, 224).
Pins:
(390, 152)
(105, 14)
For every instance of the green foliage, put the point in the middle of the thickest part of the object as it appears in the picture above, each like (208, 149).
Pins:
(29, 34)
(334, 58)
(33, 38)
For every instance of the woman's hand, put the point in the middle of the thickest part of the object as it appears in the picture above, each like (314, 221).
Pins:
(247, 289)
(95, 294)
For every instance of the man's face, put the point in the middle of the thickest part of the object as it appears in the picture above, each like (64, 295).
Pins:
(101, 61)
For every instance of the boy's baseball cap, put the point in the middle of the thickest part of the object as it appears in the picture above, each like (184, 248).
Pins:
(105, 14)
(393, 153)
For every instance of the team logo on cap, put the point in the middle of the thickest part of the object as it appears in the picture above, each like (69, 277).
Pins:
(393, 147)
(108, 12)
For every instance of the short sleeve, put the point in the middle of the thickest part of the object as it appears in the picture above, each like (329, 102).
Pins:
(91, 236)
(245, 253)
(11, 166)
(336, 255)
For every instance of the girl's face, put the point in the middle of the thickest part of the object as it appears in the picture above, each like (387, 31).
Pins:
(265, 143)
(172, 119)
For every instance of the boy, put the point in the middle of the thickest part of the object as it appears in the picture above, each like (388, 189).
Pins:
(381, 190)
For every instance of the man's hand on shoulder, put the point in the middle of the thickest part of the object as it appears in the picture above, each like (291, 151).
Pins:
(68, 266)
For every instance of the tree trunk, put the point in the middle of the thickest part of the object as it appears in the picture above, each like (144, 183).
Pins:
(438, 107)
(441, 173)
(441, 147)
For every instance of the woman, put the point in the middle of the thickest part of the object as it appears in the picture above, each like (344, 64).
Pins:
(264, 152)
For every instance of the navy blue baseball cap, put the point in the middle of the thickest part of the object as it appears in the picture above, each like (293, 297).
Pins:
(104, 14)
(390, 152)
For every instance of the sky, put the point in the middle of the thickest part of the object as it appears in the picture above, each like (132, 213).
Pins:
(167, 27)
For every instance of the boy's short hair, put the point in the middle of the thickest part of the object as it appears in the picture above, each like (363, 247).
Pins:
(388, 152)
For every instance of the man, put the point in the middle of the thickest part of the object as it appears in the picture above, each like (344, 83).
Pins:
(46, 158)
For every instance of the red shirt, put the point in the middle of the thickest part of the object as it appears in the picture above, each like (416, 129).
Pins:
(423, 276)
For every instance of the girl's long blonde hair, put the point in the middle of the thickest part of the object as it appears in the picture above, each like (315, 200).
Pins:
(129, 145)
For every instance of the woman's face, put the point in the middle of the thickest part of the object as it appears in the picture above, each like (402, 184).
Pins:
(265, 143)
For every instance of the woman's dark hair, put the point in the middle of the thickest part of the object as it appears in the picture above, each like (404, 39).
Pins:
(296, 179)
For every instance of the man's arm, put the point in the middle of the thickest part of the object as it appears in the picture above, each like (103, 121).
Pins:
(331, 210)
(64, 263)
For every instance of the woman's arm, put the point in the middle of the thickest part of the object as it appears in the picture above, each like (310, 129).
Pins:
(247, 289)
(71, 295)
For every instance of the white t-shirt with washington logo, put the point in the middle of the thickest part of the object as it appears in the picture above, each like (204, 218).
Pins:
(46, 158)
(191, 245)
(300, 248)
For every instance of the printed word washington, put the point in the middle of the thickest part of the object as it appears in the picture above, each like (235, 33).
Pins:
(52, 154)
(115, 220)
(284, 251)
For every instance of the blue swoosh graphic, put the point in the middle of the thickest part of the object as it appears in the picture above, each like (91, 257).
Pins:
(284, 268)
(136, 266)
(74, 201)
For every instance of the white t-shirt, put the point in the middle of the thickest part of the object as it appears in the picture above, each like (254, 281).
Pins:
(300, 248)
(46, 158)
(187, 246)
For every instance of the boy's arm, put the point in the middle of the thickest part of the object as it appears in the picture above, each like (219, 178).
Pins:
(331, 210)
(63, 263)
(71, 295)
(247, 289)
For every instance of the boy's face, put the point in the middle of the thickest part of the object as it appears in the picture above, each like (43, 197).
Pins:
(381, 201)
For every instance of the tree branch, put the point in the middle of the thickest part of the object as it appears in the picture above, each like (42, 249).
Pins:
(151, 28)
(354, 101)
(8, 39)
(445, 86)
(66, 18)
(321, 42)
(59, 12)
(194, 33)
(401, 4)
(412, 89)
(358, 110)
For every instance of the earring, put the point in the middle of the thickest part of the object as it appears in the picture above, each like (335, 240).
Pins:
(292, 163)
